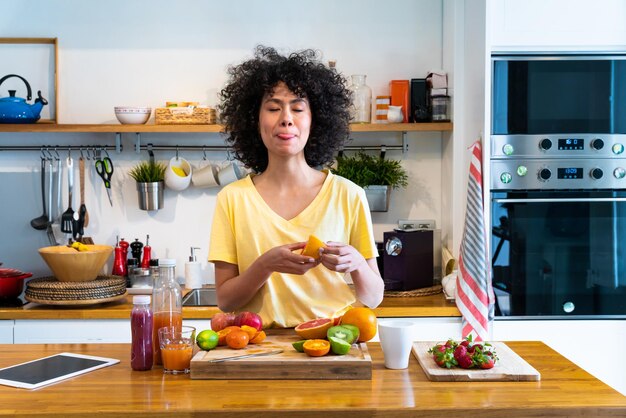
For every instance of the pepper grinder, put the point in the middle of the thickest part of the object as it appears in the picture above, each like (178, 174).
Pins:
(135, 250)
(121, 254)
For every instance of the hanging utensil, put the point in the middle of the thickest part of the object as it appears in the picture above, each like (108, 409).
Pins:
(51, 238)
(83, 209)
(41, 222)
(68, 216)
(104, 168)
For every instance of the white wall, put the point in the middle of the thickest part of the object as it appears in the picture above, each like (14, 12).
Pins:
(147, 52)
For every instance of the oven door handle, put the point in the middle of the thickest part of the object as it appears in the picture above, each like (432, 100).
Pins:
(563, 200)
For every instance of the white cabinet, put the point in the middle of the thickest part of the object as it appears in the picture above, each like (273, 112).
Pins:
(536, 25)
(6, 331)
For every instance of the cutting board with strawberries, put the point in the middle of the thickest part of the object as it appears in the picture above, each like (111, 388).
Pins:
(288, 364)
(509, 367)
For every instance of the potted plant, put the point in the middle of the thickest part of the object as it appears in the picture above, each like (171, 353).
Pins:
(149, 176)
(375, 174)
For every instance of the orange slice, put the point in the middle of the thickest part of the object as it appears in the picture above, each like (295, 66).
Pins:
(312, 247)
(316, 348)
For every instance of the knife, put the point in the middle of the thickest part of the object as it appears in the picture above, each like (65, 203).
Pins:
(267, 353)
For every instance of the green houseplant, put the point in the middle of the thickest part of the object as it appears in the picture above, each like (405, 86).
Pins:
(375, 174)
(149, 176)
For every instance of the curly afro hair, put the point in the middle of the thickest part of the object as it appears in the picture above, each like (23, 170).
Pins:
(306, 77)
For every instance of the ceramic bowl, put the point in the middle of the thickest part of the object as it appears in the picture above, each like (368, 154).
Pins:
(69, 265)
(129, 115)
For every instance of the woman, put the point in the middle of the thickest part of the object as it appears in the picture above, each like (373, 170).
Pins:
(285, 116)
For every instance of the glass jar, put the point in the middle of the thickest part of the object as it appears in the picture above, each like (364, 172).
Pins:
(141, 354)
(167, 302)
(440, 108)
(361, 100)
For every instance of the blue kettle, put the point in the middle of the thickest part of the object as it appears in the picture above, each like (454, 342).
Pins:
(15, 109)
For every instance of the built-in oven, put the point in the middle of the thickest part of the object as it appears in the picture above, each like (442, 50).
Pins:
(558, 186)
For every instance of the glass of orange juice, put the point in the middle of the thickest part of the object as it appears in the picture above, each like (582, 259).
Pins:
(177, 348)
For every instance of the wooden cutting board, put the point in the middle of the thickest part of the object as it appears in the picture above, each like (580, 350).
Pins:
(289, 364)
(509, 367)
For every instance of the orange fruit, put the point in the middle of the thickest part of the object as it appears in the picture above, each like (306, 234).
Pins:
(237, 339)
(364, 319)
(312, 247)
(314, 329)
(250, 330)
(316, 348)
(259, 337)
(224, 332)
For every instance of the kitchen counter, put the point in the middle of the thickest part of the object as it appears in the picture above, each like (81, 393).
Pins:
(565, 390)
(422, 306)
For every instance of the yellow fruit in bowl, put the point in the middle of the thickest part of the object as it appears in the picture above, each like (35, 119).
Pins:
(179, 171)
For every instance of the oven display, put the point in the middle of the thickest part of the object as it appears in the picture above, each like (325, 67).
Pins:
(570, 173)
(571, 144)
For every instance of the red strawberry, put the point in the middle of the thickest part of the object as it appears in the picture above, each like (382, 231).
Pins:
(443, 356)
(460, 351)
(465, 361)
(488, 364)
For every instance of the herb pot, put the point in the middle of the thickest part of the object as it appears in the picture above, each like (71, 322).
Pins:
(150, 195)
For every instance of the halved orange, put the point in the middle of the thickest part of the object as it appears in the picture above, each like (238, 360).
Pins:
(314, 329)
(316, 348)
(250, 330)
(312, 247)
(224, 332)
(258, 338)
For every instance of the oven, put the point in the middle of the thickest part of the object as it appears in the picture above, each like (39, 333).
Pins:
(558, 186)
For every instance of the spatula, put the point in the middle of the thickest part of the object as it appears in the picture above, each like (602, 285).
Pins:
(68, 216)
(83, 208)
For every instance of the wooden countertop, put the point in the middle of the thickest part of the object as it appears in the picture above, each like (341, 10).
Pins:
(565, 390)
(423, 306)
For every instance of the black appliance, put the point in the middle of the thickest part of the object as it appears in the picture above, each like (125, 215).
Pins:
(411, 259)
(420, 108)
(558, 186)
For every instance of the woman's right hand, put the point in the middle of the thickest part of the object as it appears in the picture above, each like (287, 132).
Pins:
(283, 259)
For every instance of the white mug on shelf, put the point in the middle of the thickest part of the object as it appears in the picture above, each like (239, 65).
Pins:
(178, 174)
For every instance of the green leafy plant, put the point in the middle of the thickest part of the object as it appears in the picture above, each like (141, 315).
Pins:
(148, 172)
(368, 170)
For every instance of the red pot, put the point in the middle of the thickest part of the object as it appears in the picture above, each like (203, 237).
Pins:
(12, 286)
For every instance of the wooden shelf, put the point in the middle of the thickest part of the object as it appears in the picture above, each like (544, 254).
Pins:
(115, 128)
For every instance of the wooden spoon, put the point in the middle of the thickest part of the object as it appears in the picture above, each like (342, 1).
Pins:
(81, 172)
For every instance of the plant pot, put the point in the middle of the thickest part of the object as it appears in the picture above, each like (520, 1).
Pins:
(378, 197)
(150, 195)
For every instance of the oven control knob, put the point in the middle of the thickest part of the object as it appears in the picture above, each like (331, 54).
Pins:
(596, 173)
(619, 173)
(393, 246)
(597, 144)
(568, 307)
(506, 177)
(508, 149)
(617, 149)
(522, 170)
(545, 144)
(544, 174)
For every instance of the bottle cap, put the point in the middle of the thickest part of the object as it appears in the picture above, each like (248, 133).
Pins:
(167, 262)
(141, 299)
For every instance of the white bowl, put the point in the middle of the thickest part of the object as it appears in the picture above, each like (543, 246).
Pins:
(129, 115)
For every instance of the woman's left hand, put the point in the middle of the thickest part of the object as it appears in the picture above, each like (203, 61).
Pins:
(340, 257)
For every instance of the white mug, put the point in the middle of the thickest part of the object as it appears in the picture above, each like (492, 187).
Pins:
(229, 173)
(205, 177)
(396, 340)
(175, 181)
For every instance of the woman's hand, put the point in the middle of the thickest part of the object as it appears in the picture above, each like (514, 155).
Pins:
(340, 257)
(283, 259)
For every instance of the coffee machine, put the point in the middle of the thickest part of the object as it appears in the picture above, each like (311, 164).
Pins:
(411, 256)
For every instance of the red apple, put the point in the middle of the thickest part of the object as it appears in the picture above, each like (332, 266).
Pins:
(249, 318)
(221, 320)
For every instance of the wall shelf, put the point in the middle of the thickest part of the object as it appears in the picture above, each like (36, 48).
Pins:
(118, 128)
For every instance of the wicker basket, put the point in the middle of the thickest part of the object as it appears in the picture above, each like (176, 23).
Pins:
(184, 116)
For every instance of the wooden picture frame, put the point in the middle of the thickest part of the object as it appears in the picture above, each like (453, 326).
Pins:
(26, 60)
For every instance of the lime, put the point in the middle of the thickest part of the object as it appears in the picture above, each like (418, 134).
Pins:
(299, 346)
(355, 332)
(207, 339)
(341, 332)
(339, 346)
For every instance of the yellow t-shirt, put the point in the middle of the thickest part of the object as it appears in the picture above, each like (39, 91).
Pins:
(244, 227)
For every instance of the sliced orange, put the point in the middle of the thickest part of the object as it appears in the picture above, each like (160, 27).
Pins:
(250, 330)
(312, 248)
(314, 329)
(316, 348)
(224, 332)
(258, 338)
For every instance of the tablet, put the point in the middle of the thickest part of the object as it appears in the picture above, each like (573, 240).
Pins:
(52, 369)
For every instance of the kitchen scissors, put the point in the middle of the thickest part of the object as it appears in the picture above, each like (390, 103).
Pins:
(104, 168)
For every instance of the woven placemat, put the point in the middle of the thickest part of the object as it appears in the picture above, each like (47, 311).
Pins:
(426, 291)
(49, 289)
(51, 282)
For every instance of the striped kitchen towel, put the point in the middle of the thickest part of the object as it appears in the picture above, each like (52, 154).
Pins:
(474, 292)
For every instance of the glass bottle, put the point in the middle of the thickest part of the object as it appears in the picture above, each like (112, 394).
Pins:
(141, 354)
(361, 100)
(167, 302)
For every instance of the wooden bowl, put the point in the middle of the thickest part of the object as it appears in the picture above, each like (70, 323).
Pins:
(70, 265)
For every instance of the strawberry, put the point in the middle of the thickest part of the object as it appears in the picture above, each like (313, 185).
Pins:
(465, 361)
(487, 364)
(460, 351)
(443, 356)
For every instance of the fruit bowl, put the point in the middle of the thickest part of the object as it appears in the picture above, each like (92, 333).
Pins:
(129, 115)
(70, 265)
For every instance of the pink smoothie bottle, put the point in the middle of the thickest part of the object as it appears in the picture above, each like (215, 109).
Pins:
(141, 356)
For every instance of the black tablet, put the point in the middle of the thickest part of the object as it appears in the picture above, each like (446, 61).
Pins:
(48, 370)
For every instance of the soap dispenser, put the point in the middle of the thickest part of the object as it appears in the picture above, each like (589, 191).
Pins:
(193, 276)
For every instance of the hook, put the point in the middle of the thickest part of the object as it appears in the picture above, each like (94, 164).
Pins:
(176, 152)
(82, 157)
(150, 152)
(57, 156)
(203, 153)
(106, 152)
(383, 150)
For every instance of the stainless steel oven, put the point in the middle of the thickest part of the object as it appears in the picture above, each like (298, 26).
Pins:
(558, 186)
